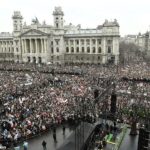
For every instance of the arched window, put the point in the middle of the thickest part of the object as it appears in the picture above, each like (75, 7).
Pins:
(52, 51)
(93, 49)
(77, 49)
(88, 49)
(57, 50)
(82, 49)
(67, 49)
(72, 50)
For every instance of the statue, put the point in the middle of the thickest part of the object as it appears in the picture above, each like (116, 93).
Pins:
(35, 21)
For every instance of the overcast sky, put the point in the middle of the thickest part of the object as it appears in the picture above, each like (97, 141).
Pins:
(132, 15)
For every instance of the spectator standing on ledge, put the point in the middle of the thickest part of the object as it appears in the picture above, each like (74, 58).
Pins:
(64, 128)
(25, 145)
(44, 145)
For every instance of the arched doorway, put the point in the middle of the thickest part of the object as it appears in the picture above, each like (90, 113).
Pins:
(34, 60)
(40, 60)
(28, 59)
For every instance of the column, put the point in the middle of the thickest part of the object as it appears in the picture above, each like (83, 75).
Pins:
(45, 45)
(36, 46)
(79, 45)
(25, 46)
(69, 45)
(104, 51)
(41, 45)
(7, 52)
(22, 42)
(91, 50)
(96, 47)
(30, 46)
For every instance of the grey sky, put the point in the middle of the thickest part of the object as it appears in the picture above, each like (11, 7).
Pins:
(132, 15)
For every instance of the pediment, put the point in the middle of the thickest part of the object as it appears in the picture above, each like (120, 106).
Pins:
(33, 32)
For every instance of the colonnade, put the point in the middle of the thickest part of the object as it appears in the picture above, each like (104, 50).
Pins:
(34, 45)
(6, 46)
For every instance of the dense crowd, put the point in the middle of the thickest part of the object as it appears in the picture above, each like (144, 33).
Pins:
(37, 97)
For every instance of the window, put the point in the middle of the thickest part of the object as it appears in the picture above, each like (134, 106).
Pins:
(77, 42)
(52, 57)
(109, 41)
(57, 50)
(15, 27)
(99, 50)
(88, 49)
(57, 57)
(56, 18)
(52, 51)
(109, 49)
(71, 42)
(82, 49)
(72, 50)
(99, 41)
(88, 42)
(93, 41)
(67, 49)
(93, 49)
(16, 49)
(56, 25)
(82, 42)
(99, 57)
(66, 42)
(57, 42)
(51, 42)
(15, 42)
(77, 49)
(77, 58)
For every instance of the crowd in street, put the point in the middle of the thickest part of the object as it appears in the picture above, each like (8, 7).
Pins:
(35, 98)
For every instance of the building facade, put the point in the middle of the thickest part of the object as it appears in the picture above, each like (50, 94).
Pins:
(59, 43)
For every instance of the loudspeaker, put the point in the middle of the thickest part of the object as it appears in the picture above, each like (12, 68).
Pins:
(113, 103)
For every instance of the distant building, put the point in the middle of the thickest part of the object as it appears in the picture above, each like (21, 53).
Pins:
(129, 38)
(141, 40)
(59, 43)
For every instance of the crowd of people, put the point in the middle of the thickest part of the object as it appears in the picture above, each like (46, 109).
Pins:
(35, 98)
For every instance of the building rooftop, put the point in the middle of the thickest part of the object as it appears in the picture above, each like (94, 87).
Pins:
(6, 35)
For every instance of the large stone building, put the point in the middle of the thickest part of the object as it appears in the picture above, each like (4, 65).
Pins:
(59, 43)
